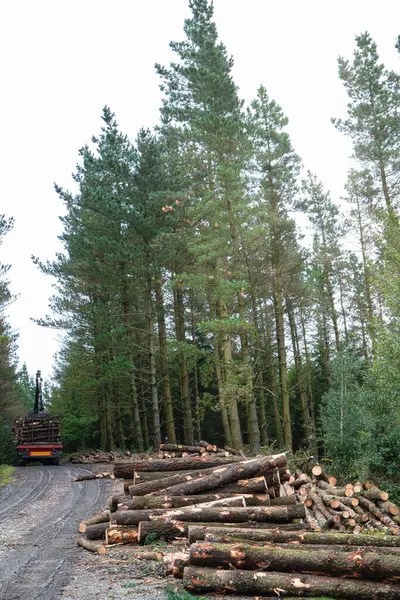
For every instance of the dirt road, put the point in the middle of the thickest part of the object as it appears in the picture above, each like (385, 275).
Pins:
(39, 514)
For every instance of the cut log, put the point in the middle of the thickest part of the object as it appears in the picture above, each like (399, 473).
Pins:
(229, 474)
(229, 534)
(365, 565)
(378, 514)
(388, 507)
(335, 491)
(179, 448)
(255, 485)
(92, 546)
(318, 472)
(259, 514)
(149, 487)
(143, 502)
(171, 530)
(200, 580)
(118, 499)
(121, 535)
(126, 470)
(103, 517)
(96, 532)
(376, 494)
(232, 451)
(283, 501)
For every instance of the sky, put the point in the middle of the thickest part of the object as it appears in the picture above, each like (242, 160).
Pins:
(62, 61)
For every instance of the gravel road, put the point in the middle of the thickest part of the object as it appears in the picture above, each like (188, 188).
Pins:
(39, 558)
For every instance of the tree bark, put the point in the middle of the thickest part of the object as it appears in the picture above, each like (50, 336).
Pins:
(153, 366)
(96, 532)
(127, 469)
(167, 501)
(364, 565)
(204, 580)
(280, 338)
(255, 485)
(162, 336)
(179, 311)
(272, 382)
(228, 474)
(198, 532)
(252, 418)
(302, 537)
(259, 514)
(92, 546)
(179, 448)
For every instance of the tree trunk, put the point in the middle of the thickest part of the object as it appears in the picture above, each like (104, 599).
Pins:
(259, 514)
(138, 441)
(272, 381)
(153, 367)
(167, 501)
(280, 338)
(229, 387)
(218, 374)
(181, 448)
(338, 563)
(256, 485)
(302, 537)
(96, 532)
(198, 532)
(258, 366)
(203, 580)
(127, 469)
(143, 411)
(252, 419)
(228, 474)
(97, 547)
(162, 336)
(300, 377)
(179, 311)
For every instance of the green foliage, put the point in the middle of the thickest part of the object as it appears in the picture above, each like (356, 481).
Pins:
(346, 424)
(6, 474)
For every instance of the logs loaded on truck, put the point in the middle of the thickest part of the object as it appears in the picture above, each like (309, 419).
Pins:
(38, 436)
(250, 527)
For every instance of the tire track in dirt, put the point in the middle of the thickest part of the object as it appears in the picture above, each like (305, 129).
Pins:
(40, 546)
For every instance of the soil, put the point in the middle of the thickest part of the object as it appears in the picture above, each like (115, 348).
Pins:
(39, 559)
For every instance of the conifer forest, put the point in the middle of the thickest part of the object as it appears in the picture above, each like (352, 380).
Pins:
(211, 288)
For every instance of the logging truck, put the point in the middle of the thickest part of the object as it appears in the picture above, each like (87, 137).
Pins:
(38, 436)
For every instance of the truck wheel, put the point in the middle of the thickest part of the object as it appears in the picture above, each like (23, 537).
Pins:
(20, 462)
(55, 461)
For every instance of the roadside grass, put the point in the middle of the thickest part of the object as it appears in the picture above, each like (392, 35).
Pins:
(6, 474)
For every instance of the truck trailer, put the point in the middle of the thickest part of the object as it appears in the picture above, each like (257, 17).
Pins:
(38, 436)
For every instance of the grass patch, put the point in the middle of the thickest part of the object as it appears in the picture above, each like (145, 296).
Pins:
(6, 474)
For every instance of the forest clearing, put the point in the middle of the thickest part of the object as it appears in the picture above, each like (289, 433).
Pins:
(210, 286)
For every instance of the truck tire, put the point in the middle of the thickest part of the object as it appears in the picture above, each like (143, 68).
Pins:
(54, 461)
(20, 462)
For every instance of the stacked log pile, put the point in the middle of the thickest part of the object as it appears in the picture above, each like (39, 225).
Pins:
(251, 527)
(353, 507)
(98, 456)
(41, 428)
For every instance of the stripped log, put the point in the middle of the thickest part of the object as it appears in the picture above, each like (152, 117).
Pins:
(97, 547)
(227, 475)
(126, 470)
(205, 580)
(366, 565)
(376, 494)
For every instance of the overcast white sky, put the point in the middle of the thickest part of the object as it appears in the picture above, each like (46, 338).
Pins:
(62, 60)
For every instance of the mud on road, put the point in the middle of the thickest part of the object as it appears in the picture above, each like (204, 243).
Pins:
(39, 559)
